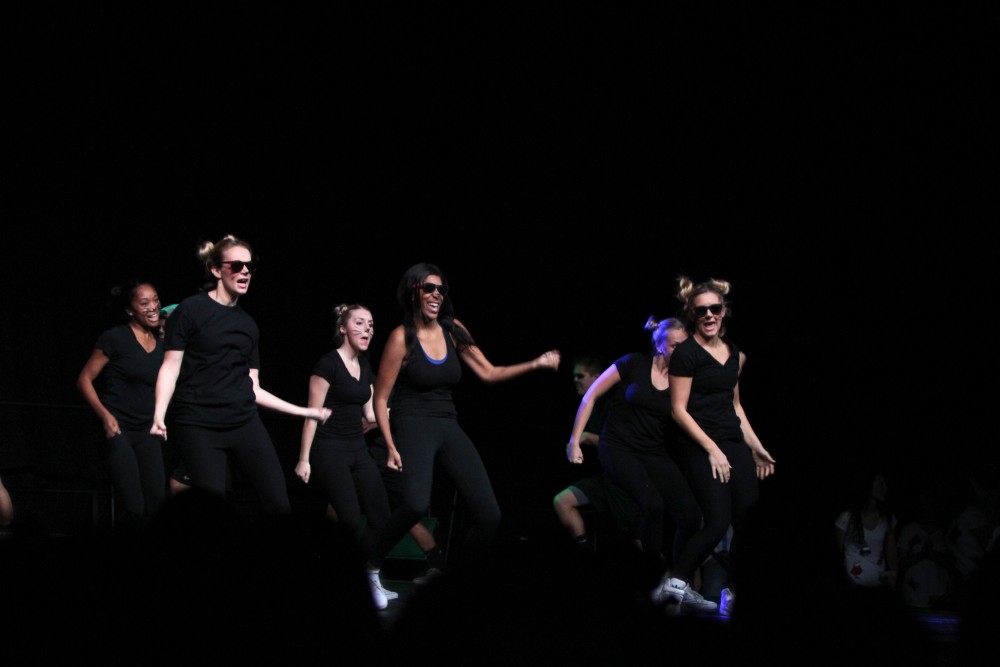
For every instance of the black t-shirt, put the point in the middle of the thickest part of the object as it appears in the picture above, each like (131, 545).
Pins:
(423, 387)
(639, 415)
(129, 377)
(712, 388)
(346, 396)
(219, 342)
(598, 415)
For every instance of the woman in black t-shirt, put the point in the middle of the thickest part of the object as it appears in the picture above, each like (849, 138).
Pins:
(337, 451)
(209, 379)
(633, 451)
(723, 457)
(128, 357)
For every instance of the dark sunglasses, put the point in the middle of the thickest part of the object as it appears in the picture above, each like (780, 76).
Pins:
(701, 311)
(236, 265)
(429, 288)
(578, 376)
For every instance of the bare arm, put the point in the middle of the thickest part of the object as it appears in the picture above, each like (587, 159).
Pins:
(608, 379)
(85, 384)
(318, 388)
(268, 400)
(680, 392)
(762, 459)
(388, 371)
(166, 382)
(487, 372)
(368, 411)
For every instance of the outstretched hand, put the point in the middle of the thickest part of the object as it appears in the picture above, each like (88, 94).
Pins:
(549, 360)
(319, 414)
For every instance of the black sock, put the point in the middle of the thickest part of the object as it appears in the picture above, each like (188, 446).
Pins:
(435, 557)
(582, 542)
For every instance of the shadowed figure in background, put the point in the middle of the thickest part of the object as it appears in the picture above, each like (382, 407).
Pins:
(795, 601)
(866, 534)
(611, 505)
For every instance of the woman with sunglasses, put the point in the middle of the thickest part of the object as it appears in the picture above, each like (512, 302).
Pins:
(128, 357)
(209, 380)
(722, 455)
(420, 365)
(633, 449)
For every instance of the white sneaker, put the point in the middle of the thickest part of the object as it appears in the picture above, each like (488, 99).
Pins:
(389, 595)
(680, 598)
(378, 593)
(726, 602)
(695, 603)
(659, 594)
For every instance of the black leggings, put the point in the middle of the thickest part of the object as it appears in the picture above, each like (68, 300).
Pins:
(351, 480)
(420, 441)
(206, 450)
(721, 504)
(658, 486)
(135, 460)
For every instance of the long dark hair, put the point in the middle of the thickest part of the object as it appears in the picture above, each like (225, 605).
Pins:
(863, 481)
(408, 297)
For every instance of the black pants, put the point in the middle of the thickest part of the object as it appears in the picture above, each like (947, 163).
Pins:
(135, 460)
(206, 450)
(351, 480)
(721, 504)
(421, 441)
(658, 487)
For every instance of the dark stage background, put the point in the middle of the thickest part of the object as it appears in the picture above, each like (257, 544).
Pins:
(562, 163)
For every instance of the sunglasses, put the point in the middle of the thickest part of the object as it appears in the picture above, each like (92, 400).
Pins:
(236, 265)
(701, 311)
(578, 376)
(429, 288)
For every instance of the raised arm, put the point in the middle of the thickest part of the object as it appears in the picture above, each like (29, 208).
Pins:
(388, 370)
(85, 384)
(608, 379)
(318, 388)
(487, 372)
(268, 400)
(166, 382)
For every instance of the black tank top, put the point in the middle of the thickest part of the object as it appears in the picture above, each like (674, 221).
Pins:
(424, 385)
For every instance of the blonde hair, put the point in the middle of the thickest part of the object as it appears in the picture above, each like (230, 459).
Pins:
(341, 314)
(660, 330)
(687, 290)
(211, 253)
